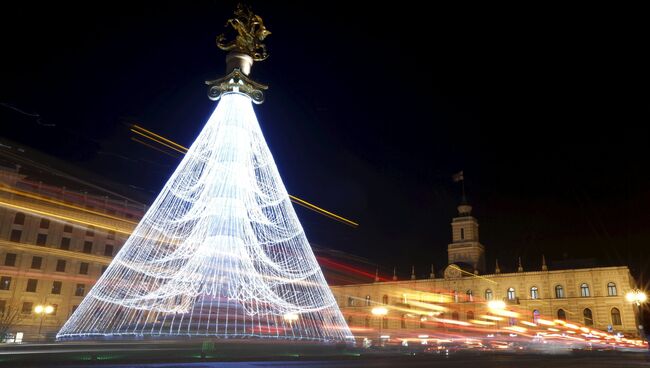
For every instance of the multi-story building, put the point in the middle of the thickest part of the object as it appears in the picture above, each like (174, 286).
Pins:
(593, 297)
(54, 245)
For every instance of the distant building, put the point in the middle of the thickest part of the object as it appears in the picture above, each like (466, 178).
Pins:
(592, 296)
(54, 245)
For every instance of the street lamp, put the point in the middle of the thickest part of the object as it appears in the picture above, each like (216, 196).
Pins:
(381, 312)
(637, 297)
(43, 310)
(497, 307)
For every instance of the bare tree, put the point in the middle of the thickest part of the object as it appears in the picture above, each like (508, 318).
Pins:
(9, 317)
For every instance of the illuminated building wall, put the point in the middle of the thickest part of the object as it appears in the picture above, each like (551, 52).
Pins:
(54, 245)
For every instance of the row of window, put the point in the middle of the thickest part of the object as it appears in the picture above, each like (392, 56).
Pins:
(37, 263)
(587, 314)
(41, 239)
(32, 284)
(19, 219)
(510, 294)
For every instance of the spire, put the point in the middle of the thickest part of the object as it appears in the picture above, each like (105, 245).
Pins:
(464, 209)
(497, 270)
(432, 275)
(394, 273)
(544, 267)
(520, 268)
(412, 272)
(377, 275)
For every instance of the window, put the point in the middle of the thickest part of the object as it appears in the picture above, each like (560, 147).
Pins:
(65, 243)
(384, 322)
(584, 290)
(5, 282)
(27, 308)
(74, 308)
(488, 294)
(470, 296)
(535, 316)
(41, 239)
(616, 317)
(534, 293)
(462, 233)
(561, 314)
(349, 320)
(19, 219)
(56, 287)
(384, 299)
(511, 293)
(31, 285)
(559, 291)
(350, 301)
(88, 247)
(54, 309)
(470, 315)
(108, 250)
(45, 224)
(83, 268)
(455, 296)
(15, 235)
(60, 265)
(10, 259)
(90, 231)
(403, 321)
(67, 228)
(80, 290)
(104, 268)
(611, 289)
(3, 306)
(367, 300)
(367, 322)
(37, 262)
(454, 316)
(110, 235)
(589, 320)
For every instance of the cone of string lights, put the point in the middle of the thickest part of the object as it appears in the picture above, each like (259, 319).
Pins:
(220, 252)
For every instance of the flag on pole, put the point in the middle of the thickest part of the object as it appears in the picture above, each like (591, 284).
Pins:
(458, 176)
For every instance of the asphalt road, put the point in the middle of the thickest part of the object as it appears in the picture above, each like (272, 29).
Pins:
(595, 360)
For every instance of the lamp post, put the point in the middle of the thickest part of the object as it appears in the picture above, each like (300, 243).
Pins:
(637, 297)
(43, 310)
(380, 312)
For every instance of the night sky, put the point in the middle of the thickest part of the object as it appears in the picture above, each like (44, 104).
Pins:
(370, 111)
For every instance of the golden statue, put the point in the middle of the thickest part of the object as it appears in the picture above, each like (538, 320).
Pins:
(250, 34)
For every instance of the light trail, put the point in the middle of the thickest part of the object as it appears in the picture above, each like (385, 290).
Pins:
(182, 149)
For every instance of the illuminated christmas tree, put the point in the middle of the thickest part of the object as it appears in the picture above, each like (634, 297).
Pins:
(221, 251)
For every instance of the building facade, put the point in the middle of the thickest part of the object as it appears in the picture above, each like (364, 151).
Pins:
(591, 297)
(54, 245)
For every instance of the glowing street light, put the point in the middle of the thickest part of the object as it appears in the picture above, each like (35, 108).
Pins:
(636, 296)
(496, 305)
(291, 317)
(43, 310)
(380, 312)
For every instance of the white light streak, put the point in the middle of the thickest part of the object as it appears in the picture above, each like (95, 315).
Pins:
(220, 252)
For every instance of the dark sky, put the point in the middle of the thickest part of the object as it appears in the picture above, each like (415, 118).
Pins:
(370, 110)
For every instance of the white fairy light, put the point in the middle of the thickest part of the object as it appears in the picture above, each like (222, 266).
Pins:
(220, 252)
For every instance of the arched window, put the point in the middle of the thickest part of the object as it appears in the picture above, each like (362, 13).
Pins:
(350, 301)
(470, 297)
(367, 300)
(462, 233)
(455, 296)
(611, 289)
(45, 223)
(384, 299)
(403, 321)
(422, 320)
(589, 320)
(349, 320)
(584, 290)
(454, 316)
(488, 294)
(616, 317)
(535, 316)
(511, 293)
(561, 314)
(367, 322)
(19, 219)
(470, 315)
(534, 293)
(559, 291)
